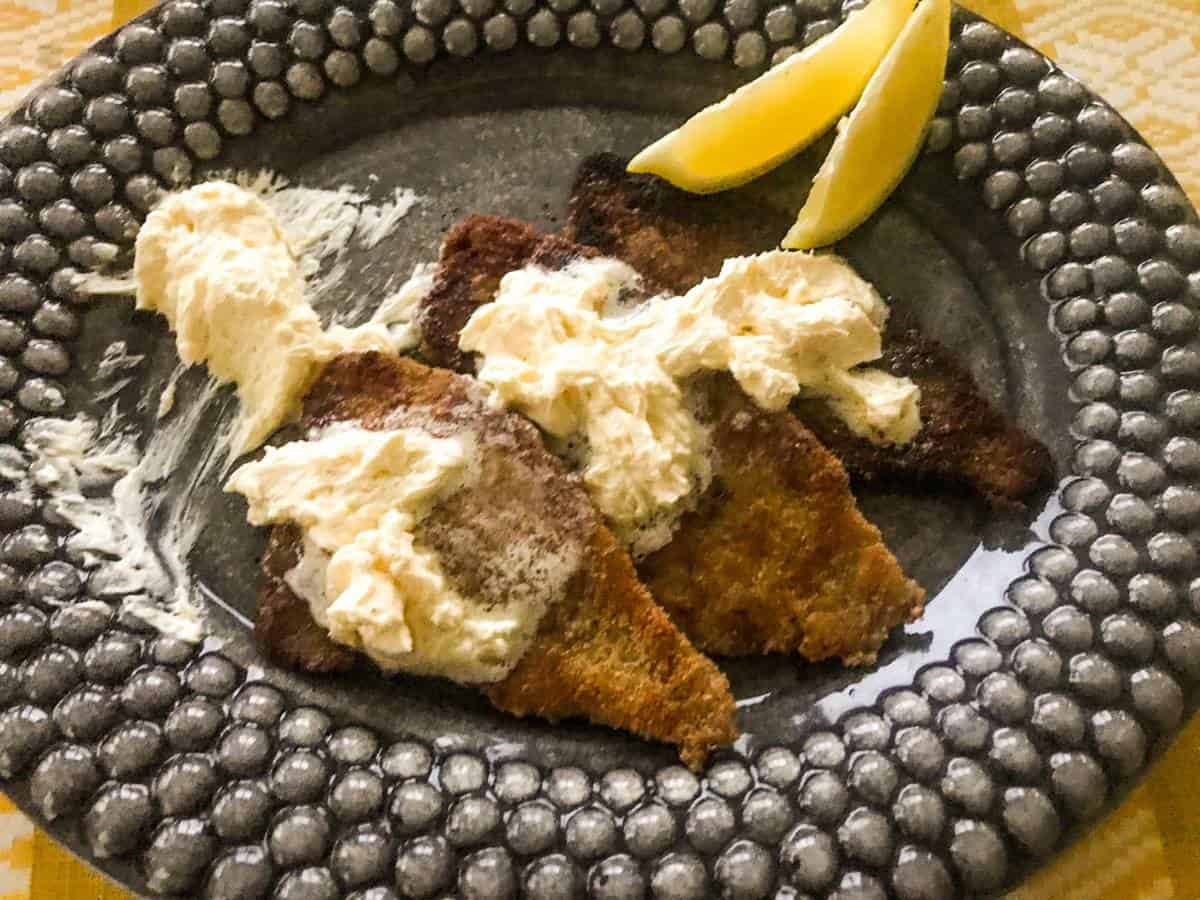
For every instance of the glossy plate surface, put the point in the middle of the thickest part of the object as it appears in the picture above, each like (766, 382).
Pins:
(1038, 238)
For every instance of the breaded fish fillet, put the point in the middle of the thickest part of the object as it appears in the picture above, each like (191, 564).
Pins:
(963, 440)
(677, 239)
(483, 253)
(283, 624)
(777, 557)
(604, 651)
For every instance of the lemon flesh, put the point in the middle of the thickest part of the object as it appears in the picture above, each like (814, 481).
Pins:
(779, 113)
(878, 143)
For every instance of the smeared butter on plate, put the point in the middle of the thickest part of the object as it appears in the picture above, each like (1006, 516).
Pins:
(557, 346)
(214, 261)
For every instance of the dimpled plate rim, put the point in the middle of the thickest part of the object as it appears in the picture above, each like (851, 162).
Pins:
(175, 771)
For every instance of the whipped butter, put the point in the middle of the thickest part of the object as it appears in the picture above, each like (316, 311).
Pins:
(558, 347)
(555, 347)
(359, 496)
(214, 261)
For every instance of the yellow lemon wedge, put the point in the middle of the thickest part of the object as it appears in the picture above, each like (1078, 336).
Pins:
(878, 143)
(779, 113)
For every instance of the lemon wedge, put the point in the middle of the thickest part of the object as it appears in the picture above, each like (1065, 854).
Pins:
(779, 113)
(878, 143)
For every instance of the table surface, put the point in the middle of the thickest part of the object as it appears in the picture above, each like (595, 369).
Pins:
(1143, 56)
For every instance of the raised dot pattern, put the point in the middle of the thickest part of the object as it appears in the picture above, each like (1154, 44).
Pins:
(223, 787)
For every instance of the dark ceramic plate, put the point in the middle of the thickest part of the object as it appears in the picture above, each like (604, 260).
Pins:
(1038, 238)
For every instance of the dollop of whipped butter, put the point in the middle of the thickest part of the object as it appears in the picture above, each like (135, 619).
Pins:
(214, 261)
(359, 496)
(557, 346)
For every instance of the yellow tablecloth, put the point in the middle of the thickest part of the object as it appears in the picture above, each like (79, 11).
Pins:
(1141, 55)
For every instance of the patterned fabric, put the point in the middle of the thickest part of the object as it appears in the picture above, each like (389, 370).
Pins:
(16, 851)
(1143, 56)
(37, 35)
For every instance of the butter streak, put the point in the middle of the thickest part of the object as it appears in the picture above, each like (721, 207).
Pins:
(214, 261)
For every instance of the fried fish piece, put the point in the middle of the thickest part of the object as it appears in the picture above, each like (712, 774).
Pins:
(283, 624)
(604, 651)
(484, 250)
(963, 439)
(677, 239)
(673, 238)
(777, 557)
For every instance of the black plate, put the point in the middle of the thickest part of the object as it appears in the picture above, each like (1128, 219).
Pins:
(1038, 238)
